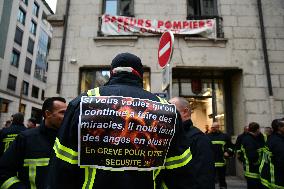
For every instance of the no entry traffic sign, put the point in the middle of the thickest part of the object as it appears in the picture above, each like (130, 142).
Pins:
(165, 48)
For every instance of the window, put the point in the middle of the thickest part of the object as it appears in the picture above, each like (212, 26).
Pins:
(91, 78)
(28, 66)
(205, 9)
(36, 113)
(22, 108)
(21, 16)
(42, 95)
(18, 36)
(31, 46)
(25, 88)
(4, 106)
(35, 9)
(33, 27)
(15, 58)
(12, 80)
(35, 91)
(119, 7)
(202, 8)
(25, 1)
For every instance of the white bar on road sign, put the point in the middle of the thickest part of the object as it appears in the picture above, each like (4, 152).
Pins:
(164, 49)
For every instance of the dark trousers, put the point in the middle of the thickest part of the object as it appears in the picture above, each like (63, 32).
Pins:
(220, 174)
(253, 183)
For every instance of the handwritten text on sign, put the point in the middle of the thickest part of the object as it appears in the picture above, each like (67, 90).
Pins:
(124, 133)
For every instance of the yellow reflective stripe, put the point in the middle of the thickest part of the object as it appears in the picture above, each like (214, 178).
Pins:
(218, 164)
(274, 186)
(178, 161)
(90, 174)
(163, 101)
(64, 153)
(36, 162)
(9, 182)
(272, 173)
(164, 186)
(94, 92)
(265, 183)
(251, 175)
(155, 174)
(9, 139)
(218, 142)
(32, 164)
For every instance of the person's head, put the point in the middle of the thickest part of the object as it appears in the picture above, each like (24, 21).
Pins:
(127, 63)
(254, 128)
(7, 123)
(182, 106)
(31, 123)
(277, 126)
(18, 118)
(53, 110)
(215, 127)
(245, 129)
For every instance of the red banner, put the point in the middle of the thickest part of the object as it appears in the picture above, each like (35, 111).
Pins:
(121, 25)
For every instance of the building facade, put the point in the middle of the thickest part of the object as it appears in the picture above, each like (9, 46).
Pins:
(24, 42)
(233, 74)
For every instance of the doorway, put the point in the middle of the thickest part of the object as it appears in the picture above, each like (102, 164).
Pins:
(206, 95)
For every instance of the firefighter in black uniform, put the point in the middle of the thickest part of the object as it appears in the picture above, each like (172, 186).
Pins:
(24, 165)
(222, 148)
(272, 164)
(8, 135)
(252, 146)
(200, 170)
(126, 80)
(238, 144)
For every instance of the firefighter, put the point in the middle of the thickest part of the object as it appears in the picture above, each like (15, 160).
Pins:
(125, 82)
(25, 163)
(251, 146)
(238, 151)
(8, 135)
(272, 163)
(223, 149)
(200, 170)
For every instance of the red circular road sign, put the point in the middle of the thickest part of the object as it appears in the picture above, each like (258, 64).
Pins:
(165, 48)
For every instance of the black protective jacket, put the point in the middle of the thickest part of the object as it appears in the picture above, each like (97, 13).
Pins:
(200, 170)
(25, 163)
(252, 148)
(272, 163)
(221, 144)
(8, 135)
(64, 170)
(238, 146)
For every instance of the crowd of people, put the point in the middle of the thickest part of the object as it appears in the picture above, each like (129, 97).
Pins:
(51, 155)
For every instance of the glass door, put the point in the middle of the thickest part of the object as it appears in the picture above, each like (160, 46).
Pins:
(206, 98)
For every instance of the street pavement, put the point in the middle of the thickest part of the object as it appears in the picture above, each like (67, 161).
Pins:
(235, 183)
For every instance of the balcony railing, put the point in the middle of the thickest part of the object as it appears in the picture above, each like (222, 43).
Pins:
(219, 23)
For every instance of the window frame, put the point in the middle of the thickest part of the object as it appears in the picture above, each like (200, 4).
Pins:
(35, 9)
(119, 11)
(21, 17)
(16, 53)
(25, 90)
(11, 84)
(35, 91)
(18, 36)
(29, 48)
(28, 69)
(33, 27)
(146, 77)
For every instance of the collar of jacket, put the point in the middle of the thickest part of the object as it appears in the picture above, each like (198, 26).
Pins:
(125, 78)
(187, 124)
(51, 133)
